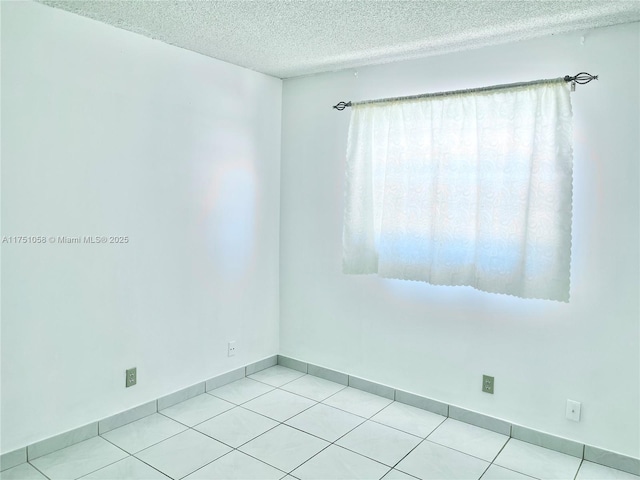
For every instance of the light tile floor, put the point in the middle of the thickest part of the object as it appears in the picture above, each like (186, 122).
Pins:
(282, 424)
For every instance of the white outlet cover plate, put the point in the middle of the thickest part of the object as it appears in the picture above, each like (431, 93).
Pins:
(573, 410)
(231, 349)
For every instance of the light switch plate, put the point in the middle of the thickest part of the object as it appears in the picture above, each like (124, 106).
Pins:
(573, 410)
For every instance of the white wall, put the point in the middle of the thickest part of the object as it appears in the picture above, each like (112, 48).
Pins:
(438, 341)
(105, 132)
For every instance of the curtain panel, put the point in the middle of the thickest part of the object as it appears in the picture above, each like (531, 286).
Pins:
(465, 189)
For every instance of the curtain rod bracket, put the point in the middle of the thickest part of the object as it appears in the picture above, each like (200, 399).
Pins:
(581, 78)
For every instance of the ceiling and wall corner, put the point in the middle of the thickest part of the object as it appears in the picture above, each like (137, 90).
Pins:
(286, 38)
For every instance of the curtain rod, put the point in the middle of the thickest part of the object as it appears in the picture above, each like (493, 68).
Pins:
(581, 78)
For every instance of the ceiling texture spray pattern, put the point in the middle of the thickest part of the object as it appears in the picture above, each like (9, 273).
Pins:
(286, 38)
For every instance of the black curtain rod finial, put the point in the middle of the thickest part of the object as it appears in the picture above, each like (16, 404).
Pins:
(342, 105)
(581, 78)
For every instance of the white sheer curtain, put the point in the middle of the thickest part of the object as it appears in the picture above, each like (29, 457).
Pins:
(464, 189)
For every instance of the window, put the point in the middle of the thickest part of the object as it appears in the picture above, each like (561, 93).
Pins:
(469, 189)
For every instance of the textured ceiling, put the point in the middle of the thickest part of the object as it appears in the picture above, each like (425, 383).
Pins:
(288, 38)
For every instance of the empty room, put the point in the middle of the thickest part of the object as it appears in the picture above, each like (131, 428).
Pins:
(320, 239)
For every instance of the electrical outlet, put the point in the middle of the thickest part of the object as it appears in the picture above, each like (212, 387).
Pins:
(573, 410)
(231, 348)
(132, 377)
(487, 384)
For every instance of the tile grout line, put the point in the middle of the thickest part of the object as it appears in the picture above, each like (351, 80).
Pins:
(210, 418)
(239, 404)
(406, 455)
(128, 456)
(303, 396)
(501, 449)
(460, 451)
(285, 383)
(312, 456)
(135, 454)
(498, 454)
(399, 429)
(243, 453)
(584, 448)
(578, 470)
(149, 465)
(56, 449)
(109, 464)
(511, 469)
(208, 463)
(88, 473)
(426, 439)
(242, 444)
(36, 468)
(515, 471)
(262, 461)
(275, 419)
